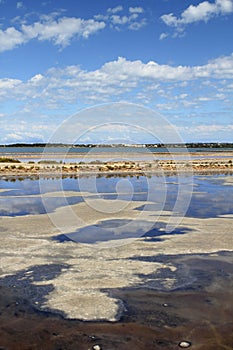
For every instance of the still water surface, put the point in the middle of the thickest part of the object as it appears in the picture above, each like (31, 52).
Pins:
(212, 194)
(88, 154)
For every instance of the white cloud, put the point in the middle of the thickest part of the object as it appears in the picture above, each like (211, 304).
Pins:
(136, 10)
(59, 31)
(23, 136)
(182, 96)
(122, 79)
(204, 11)
(10, 38)
(116, 19)
(151, 70)
(136, 25)
(62, 30)
(172, 89)
(219, 68)
(163, 36)
(19, 5)
(204, 99)
(115, 9)
(206, 129)
(131, 19)
(7, 85)
(36, 78)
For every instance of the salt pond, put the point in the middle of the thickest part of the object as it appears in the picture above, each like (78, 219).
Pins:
(211, 194)
(73, 267)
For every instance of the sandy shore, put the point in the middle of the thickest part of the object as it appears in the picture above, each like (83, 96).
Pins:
(49, 166)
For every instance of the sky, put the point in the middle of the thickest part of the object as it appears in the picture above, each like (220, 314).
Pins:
(61, 57)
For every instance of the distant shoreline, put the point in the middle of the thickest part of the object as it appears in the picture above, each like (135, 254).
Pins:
(207, 145)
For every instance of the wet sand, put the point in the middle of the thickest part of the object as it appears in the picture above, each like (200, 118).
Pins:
(200, 314)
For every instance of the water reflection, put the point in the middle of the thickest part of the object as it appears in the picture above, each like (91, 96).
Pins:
(212, 195)
(109, 230)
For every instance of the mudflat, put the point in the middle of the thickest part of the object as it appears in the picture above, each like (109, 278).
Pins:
(200, 315)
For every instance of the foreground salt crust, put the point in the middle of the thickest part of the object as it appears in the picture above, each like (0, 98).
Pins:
(83, 287)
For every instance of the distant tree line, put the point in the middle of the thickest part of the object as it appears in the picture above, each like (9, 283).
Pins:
(156, 145)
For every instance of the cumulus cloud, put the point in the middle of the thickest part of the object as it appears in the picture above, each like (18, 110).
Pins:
(59, 31)
(19, 5)
(36, 78)
(136, 10)
(123, 73)
(23, 136)
(10, 38)
(206, 129)
(204, 11)
(115, 9)
(131, 19)
(62, 30)
(60, 91)
(7, 85)
(116, 79)
(163, 36)
(219, 68)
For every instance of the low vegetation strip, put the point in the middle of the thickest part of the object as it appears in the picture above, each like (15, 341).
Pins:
(13, 167)
(9, 160)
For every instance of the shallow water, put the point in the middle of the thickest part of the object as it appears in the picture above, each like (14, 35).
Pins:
(211, 195)
(38, 150)
(88, 154)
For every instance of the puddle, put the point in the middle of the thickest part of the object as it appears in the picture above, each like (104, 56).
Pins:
(109, 230)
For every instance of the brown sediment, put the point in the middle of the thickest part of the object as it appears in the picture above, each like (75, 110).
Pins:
(200, 314)
(50, 167)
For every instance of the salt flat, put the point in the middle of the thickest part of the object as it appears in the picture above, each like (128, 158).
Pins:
(82, 287)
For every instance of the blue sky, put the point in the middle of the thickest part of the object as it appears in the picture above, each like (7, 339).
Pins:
(59, 57)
